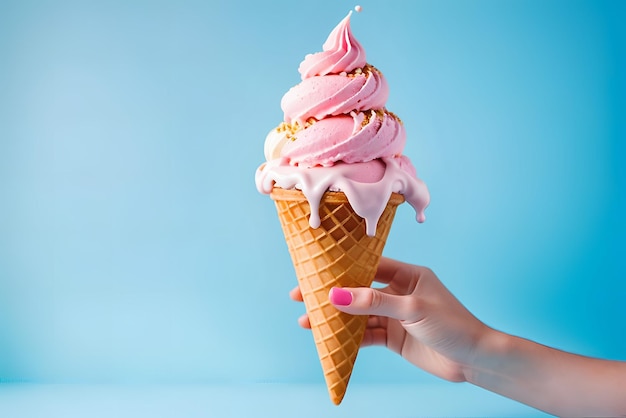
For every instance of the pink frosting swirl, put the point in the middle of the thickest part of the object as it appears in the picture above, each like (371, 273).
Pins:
(337, 135)
(321, 96)
(358, 137)
(337, 113)
(341, 52)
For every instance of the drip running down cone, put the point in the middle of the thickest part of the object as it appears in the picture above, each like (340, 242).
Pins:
(338, 253)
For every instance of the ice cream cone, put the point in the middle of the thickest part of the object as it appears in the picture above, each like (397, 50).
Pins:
(338, 253)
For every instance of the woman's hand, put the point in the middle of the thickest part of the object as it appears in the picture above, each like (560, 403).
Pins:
(414, 316)
(418, 318)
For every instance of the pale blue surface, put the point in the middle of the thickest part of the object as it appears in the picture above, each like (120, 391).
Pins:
(257, 400)
(125, 126)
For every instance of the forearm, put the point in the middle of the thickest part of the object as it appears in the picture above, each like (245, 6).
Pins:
(554, 381)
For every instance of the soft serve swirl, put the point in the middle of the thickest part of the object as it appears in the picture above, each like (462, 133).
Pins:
(340, 52)
(335, 94)
(337, 135)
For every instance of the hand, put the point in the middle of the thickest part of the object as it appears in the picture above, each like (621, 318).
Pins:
(414, 316)
(418, 318)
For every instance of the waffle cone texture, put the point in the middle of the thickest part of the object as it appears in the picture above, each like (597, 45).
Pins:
(338, 253)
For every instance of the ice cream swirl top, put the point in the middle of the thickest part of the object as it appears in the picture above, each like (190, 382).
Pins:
(337, 113)
(341, 52)
(337, 135)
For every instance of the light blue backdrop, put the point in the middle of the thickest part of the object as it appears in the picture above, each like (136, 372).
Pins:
(133, 243)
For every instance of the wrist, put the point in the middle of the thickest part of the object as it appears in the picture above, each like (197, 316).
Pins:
(491, 350)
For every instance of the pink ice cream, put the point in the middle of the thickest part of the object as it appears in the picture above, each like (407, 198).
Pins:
(333, 94)
(337, 135)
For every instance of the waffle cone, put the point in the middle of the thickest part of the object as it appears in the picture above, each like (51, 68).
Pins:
(338, 253)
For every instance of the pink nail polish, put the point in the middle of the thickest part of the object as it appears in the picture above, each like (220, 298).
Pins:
(340, 297)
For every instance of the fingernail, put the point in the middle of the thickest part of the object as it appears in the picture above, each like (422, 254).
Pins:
(340, 297)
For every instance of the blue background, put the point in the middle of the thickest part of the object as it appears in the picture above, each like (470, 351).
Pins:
(134, 246)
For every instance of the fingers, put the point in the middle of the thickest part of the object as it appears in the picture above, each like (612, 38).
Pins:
(402, 278)
(374, 336)
(304, 322)
(368, 301)
(387, 269)
(373, 322)
(375, 333)
(296, 294)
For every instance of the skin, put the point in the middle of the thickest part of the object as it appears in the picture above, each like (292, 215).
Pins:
(418, 318)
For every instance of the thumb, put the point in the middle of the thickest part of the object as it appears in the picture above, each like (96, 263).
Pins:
(367, 301)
